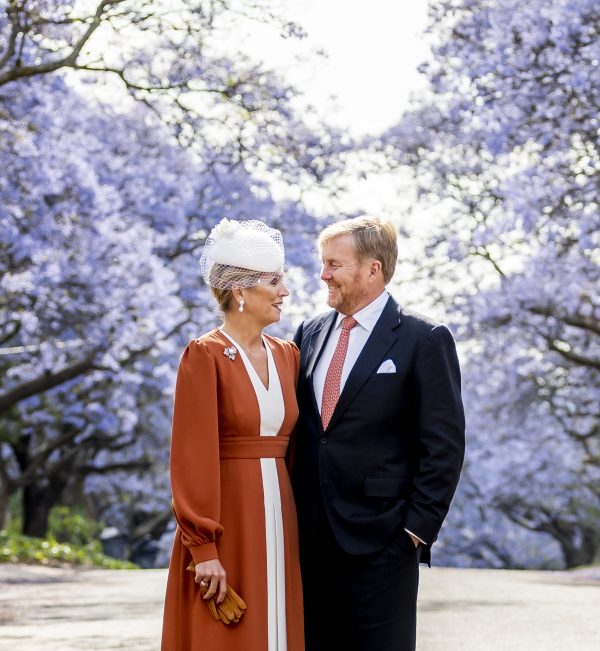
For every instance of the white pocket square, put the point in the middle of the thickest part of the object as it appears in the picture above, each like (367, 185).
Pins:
(387, 367)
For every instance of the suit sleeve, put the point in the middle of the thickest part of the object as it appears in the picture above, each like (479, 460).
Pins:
(291, 451)
(195, 474)
(298, 336)
(441, 427)
(296, 360)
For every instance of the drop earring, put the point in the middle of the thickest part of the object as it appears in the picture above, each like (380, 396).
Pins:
(241, 307)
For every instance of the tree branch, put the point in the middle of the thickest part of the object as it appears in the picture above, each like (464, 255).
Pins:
(588, 323)
(577, 358)
(37, 461)
(12, 329)
(143, 463)
(147, 527)
(68, 61)
(131, 86)
(12, 39)
(46, 381)
(482, 252)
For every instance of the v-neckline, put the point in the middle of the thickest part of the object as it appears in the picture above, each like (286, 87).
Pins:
(271, 366)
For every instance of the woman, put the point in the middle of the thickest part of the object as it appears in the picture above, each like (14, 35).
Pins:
(235, 407)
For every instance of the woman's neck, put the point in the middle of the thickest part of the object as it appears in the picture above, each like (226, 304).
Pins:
(247, 334)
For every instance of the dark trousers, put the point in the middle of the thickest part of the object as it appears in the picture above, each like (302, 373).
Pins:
(359, 603)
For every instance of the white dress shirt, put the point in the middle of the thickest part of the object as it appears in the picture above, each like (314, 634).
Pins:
(366, 320)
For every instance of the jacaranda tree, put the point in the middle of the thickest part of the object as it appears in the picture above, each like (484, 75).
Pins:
(126, 132)
(505, 145)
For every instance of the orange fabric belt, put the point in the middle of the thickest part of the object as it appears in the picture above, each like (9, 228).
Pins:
(253, 447)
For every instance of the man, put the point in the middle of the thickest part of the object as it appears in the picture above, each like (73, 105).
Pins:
(378, 447)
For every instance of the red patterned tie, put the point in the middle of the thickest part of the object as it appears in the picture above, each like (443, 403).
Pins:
(331, 388)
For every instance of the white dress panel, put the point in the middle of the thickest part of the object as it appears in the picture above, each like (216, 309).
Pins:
(272, 412)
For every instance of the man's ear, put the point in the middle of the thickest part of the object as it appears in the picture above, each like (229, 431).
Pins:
(374, 268)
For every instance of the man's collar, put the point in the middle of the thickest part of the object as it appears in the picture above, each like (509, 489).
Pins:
(367, 317)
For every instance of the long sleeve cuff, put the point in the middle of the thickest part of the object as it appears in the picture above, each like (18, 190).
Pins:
(206, 552)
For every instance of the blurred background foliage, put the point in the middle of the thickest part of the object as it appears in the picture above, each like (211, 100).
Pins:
(72, 538)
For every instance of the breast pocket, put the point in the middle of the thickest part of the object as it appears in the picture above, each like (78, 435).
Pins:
(384, 377)
(387, 389)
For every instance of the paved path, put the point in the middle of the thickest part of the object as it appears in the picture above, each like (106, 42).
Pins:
(44, 609)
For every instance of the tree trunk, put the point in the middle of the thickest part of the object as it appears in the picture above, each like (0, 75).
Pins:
(583, 553)
(4, 502)
(37, 502)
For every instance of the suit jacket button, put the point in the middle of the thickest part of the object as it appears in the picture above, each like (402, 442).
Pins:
(323, 440)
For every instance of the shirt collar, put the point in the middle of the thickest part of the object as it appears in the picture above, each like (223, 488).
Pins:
(367, 317)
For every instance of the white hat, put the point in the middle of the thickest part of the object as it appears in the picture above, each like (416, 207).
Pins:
(241, 245)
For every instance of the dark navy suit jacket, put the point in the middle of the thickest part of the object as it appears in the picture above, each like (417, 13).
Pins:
(391, 455)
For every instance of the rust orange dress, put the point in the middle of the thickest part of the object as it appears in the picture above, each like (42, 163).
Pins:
(232, 498)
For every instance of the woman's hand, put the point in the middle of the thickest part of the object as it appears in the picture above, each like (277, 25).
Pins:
(211, 573)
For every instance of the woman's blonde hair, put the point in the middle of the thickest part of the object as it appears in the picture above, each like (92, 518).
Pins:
(230, 276)
(372, 237)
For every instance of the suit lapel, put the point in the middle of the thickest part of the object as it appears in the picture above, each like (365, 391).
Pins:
(317, 342)
(383, 336)
(314, 349)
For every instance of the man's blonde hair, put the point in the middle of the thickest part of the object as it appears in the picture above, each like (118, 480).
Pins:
(372, 238)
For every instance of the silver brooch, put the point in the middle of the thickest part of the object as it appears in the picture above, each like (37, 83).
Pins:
(230, 352)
